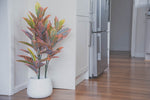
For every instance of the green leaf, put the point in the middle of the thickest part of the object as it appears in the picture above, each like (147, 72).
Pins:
(28, 22)
(32, 54)
(24, 61)
(31, 21)
(38, 12)
(53, 32)
(26, 43)
(46, 23)
(61, 22)
(37, 6)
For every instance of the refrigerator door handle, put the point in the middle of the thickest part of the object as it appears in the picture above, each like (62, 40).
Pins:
(99, 31)
(99, 47)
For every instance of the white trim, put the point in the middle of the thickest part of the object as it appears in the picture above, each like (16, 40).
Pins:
(139, 54)
(20, 87)
(81, 77)
(83, 70)
(11, 50)
(134, 15)
(147, 56)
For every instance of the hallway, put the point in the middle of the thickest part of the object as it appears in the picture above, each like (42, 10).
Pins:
(128, 79)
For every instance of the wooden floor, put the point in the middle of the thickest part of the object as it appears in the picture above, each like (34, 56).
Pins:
(127, 79)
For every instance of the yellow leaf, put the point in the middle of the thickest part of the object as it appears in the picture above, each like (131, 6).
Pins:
(37, 6)
(62, 22)
(32, 54)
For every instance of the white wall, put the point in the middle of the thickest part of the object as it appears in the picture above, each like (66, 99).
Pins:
(62, 70)
(5, 53)
(121, 25)
(139, 28)
(19, 10)
(13, 75)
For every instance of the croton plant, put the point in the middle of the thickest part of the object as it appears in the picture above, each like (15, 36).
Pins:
(44, 36)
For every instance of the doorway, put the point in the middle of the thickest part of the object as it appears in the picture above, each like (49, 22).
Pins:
(121, 25)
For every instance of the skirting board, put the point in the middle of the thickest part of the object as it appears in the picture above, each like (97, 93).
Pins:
(147, 57)
(81, 77)
(139, 54)
(19, 88)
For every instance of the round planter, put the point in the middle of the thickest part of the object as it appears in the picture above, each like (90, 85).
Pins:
(39, 88)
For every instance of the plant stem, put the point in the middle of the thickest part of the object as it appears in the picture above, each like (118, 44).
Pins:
(39, 73)
(45, 71)
(46, 67)
(39, 58)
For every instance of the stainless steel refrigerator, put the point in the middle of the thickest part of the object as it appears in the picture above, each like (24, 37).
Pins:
(98, 41)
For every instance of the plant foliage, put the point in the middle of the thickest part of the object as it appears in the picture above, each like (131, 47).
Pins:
(44, 36)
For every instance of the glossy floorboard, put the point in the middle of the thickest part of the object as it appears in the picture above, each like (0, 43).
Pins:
(127, 79)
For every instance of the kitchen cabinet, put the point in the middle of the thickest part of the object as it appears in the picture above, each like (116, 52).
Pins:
(82, 40)
(83, 8)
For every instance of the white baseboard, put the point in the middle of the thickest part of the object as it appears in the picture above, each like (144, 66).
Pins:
(147, 56)
(81, 77)
(139, 54)
(19, 88)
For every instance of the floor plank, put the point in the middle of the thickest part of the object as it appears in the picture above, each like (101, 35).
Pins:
(127, 79)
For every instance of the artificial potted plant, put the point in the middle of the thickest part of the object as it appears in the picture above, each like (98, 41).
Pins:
(44, 36)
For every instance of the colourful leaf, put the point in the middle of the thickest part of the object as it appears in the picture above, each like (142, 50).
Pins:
(33, 16)
(28, 22)
(23, 61)
(59, 48)
(24, 51)
(26, 43)
(64, 30)
(42, 60)
(37, 6)
(40, 65)
(32, 54)
(61, 22)
(40, 13)
(53, 33)
(63, 33)
(29, 59)
(48, 51)
(33, 31)
(44, 11)
(32, 67)
(56, 22)
(45, 19)
(55, 57)
(31, 20)
(28, 34)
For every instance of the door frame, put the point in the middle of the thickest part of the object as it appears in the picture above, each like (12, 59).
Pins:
(133, 29)
(134, 22)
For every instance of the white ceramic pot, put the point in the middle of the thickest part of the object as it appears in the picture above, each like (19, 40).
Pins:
(39, 88)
